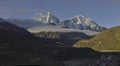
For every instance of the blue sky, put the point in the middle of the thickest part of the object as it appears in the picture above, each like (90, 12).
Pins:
(104, 12)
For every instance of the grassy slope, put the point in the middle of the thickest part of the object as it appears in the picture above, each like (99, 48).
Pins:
(106, 40)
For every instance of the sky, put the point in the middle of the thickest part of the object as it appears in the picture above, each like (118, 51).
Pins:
(105, 12)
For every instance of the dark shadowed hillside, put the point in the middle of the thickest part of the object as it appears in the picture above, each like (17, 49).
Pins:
(76, 54)
(17, 45)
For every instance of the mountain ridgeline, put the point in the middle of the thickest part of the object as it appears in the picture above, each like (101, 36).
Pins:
(10, 31)
(106, 40)
(77, 22)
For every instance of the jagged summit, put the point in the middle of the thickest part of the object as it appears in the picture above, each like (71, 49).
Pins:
(76, 22)
(46, 18)
(82, 23)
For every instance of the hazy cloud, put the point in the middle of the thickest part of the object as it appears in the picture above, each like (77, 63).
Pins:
(17, 11)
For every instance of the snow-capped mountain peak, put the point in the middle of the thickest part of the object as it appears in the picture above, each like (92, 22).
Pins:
(46, 18)
(76, 22)
(82, 23)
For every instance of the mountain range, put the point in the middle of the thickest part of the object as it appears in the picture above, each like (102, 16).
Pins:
(53, 43)
(45, 20)
(50, 23)
(20, 47)
(77, 22)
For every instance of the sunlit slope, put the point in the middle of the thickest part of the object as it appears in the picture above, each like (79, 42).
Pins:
(106, 40)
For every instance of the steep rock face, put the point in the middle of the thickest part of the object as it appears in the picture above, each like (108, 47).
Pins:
(47, 18)
(82, 23)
